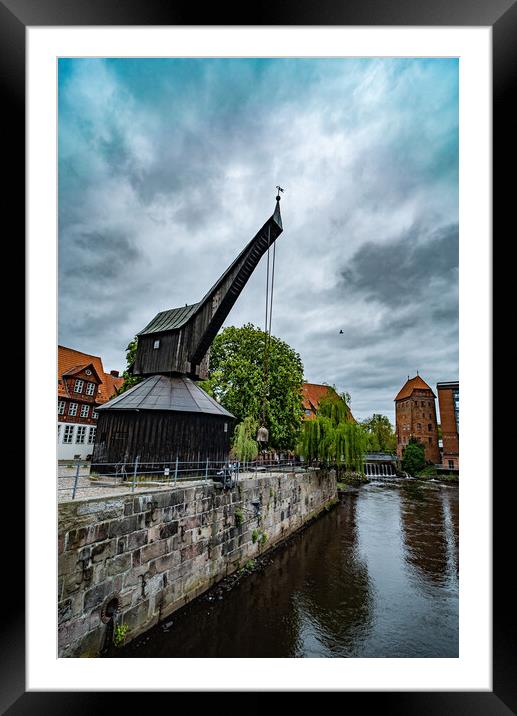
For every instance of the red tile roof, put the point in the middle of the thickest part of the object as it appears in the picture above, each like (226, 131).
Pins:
(412, 384)
(312, 394)
(69, 359)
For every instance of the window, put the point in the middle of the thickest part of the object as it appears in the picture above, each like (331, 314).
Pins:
(81, 434)
(430, 427)
(72, 409)
(78, 387)
(419, 426)
(58, 431)
(156, 344)
(95, 415)
(90, 388)
(451, 464)
(91, 435)
(456, 400)
(69, 433)
(85, 409)
(307, 412)
(61, 407)
(430, 441)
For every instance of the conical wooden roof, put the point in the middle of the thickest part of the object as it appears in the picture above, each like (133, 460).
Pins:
(161, 392)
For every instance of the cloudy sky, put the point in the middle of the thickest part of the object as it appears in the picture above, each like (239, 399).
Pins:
(167, 168)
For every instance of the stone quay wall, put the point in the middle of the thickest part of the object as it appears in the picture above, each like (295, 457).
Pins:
(153, 552)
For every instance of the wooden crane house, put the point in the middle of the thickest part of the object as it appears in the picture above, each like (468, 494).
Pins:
(167, 416)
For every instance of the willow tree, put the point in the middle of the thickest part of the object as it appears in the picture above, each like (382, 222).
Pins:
(244, 444)
(333, 436)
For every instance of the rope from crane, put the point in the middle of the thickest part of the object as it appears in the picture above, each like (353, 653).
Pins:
(262, 435)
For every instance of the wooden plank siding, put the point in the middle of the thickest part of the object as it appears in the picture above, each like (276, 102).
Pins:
(159, 436)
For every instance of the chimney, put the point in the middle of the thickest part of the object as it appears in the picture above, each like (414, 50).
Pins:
(114, 373)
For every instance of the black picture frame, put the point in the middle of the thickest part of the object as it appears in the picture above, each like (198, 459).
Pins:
(501, 16)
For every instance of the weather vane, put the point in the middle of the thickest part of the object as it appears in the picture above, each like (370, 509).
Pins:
(279, 189)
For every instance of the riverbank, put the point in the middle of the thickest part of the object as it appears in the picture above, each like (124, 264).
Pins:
(375, 576)
(128, 561)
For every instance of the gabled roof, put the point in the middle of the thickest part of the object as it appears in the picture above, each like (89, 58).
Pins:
(312, 393)
(171, 319)
(160, 392)
(69, 359)
(78, 368)
(412, 384)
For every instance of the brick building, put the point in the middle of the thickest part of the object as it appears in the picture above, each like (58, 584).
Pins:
(82, 385)
(449, 401)
(312, 393)
(415, 416)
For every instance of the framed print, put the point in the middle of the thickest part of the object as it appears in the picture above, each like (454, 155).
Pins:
(92, 85)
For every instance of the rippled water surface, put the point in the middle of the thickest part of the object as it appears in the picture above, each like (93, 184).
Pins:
(375, 577)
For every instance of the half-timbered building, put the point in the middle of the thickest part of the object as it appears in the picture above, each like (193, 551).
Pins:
(82, 386)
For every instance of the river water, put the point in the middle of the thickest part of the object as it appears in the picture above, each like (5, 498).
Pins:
(375, 577)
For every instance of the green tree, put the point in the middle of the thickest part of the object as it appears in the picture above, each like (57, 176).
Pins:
(236, 380)
(413, 457)
(333, 436)
(129, 379)
(381, 435)
(244, 444)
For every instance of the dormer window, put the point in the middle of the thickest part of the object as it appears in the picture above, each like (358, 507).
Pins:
(156, 344)
(78, 387)
(90, 388)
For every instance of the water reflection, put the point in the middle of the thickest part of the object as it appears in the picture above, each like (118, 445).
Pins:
(377, 576)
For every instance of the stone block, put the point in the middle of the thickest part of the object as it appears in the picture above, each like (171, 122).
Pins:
(165, 563)
(94, 596)
(192, 522)
(68, 563)
(72, 631)
(137, 539)
(112, 507)
(126, 525)
(118, 564)
(133, 577)
(71, 583)
(153, 533)
(168, 530)
(104, 550)
(153, 550)
(91, 643)
(136, 616)
(177, 497)
(166, 514)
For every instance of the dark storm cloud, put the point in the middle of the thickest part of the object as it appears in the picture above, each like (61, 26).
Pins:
(400, 271)
(100, 255)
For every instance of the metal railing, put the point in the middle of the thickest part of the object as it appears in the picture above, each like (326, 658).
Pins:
(84, 477)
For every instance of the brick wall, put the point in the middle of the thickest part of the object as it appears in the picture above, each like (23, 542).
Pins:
(416, 417)
(156, 551)
(450, 435)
